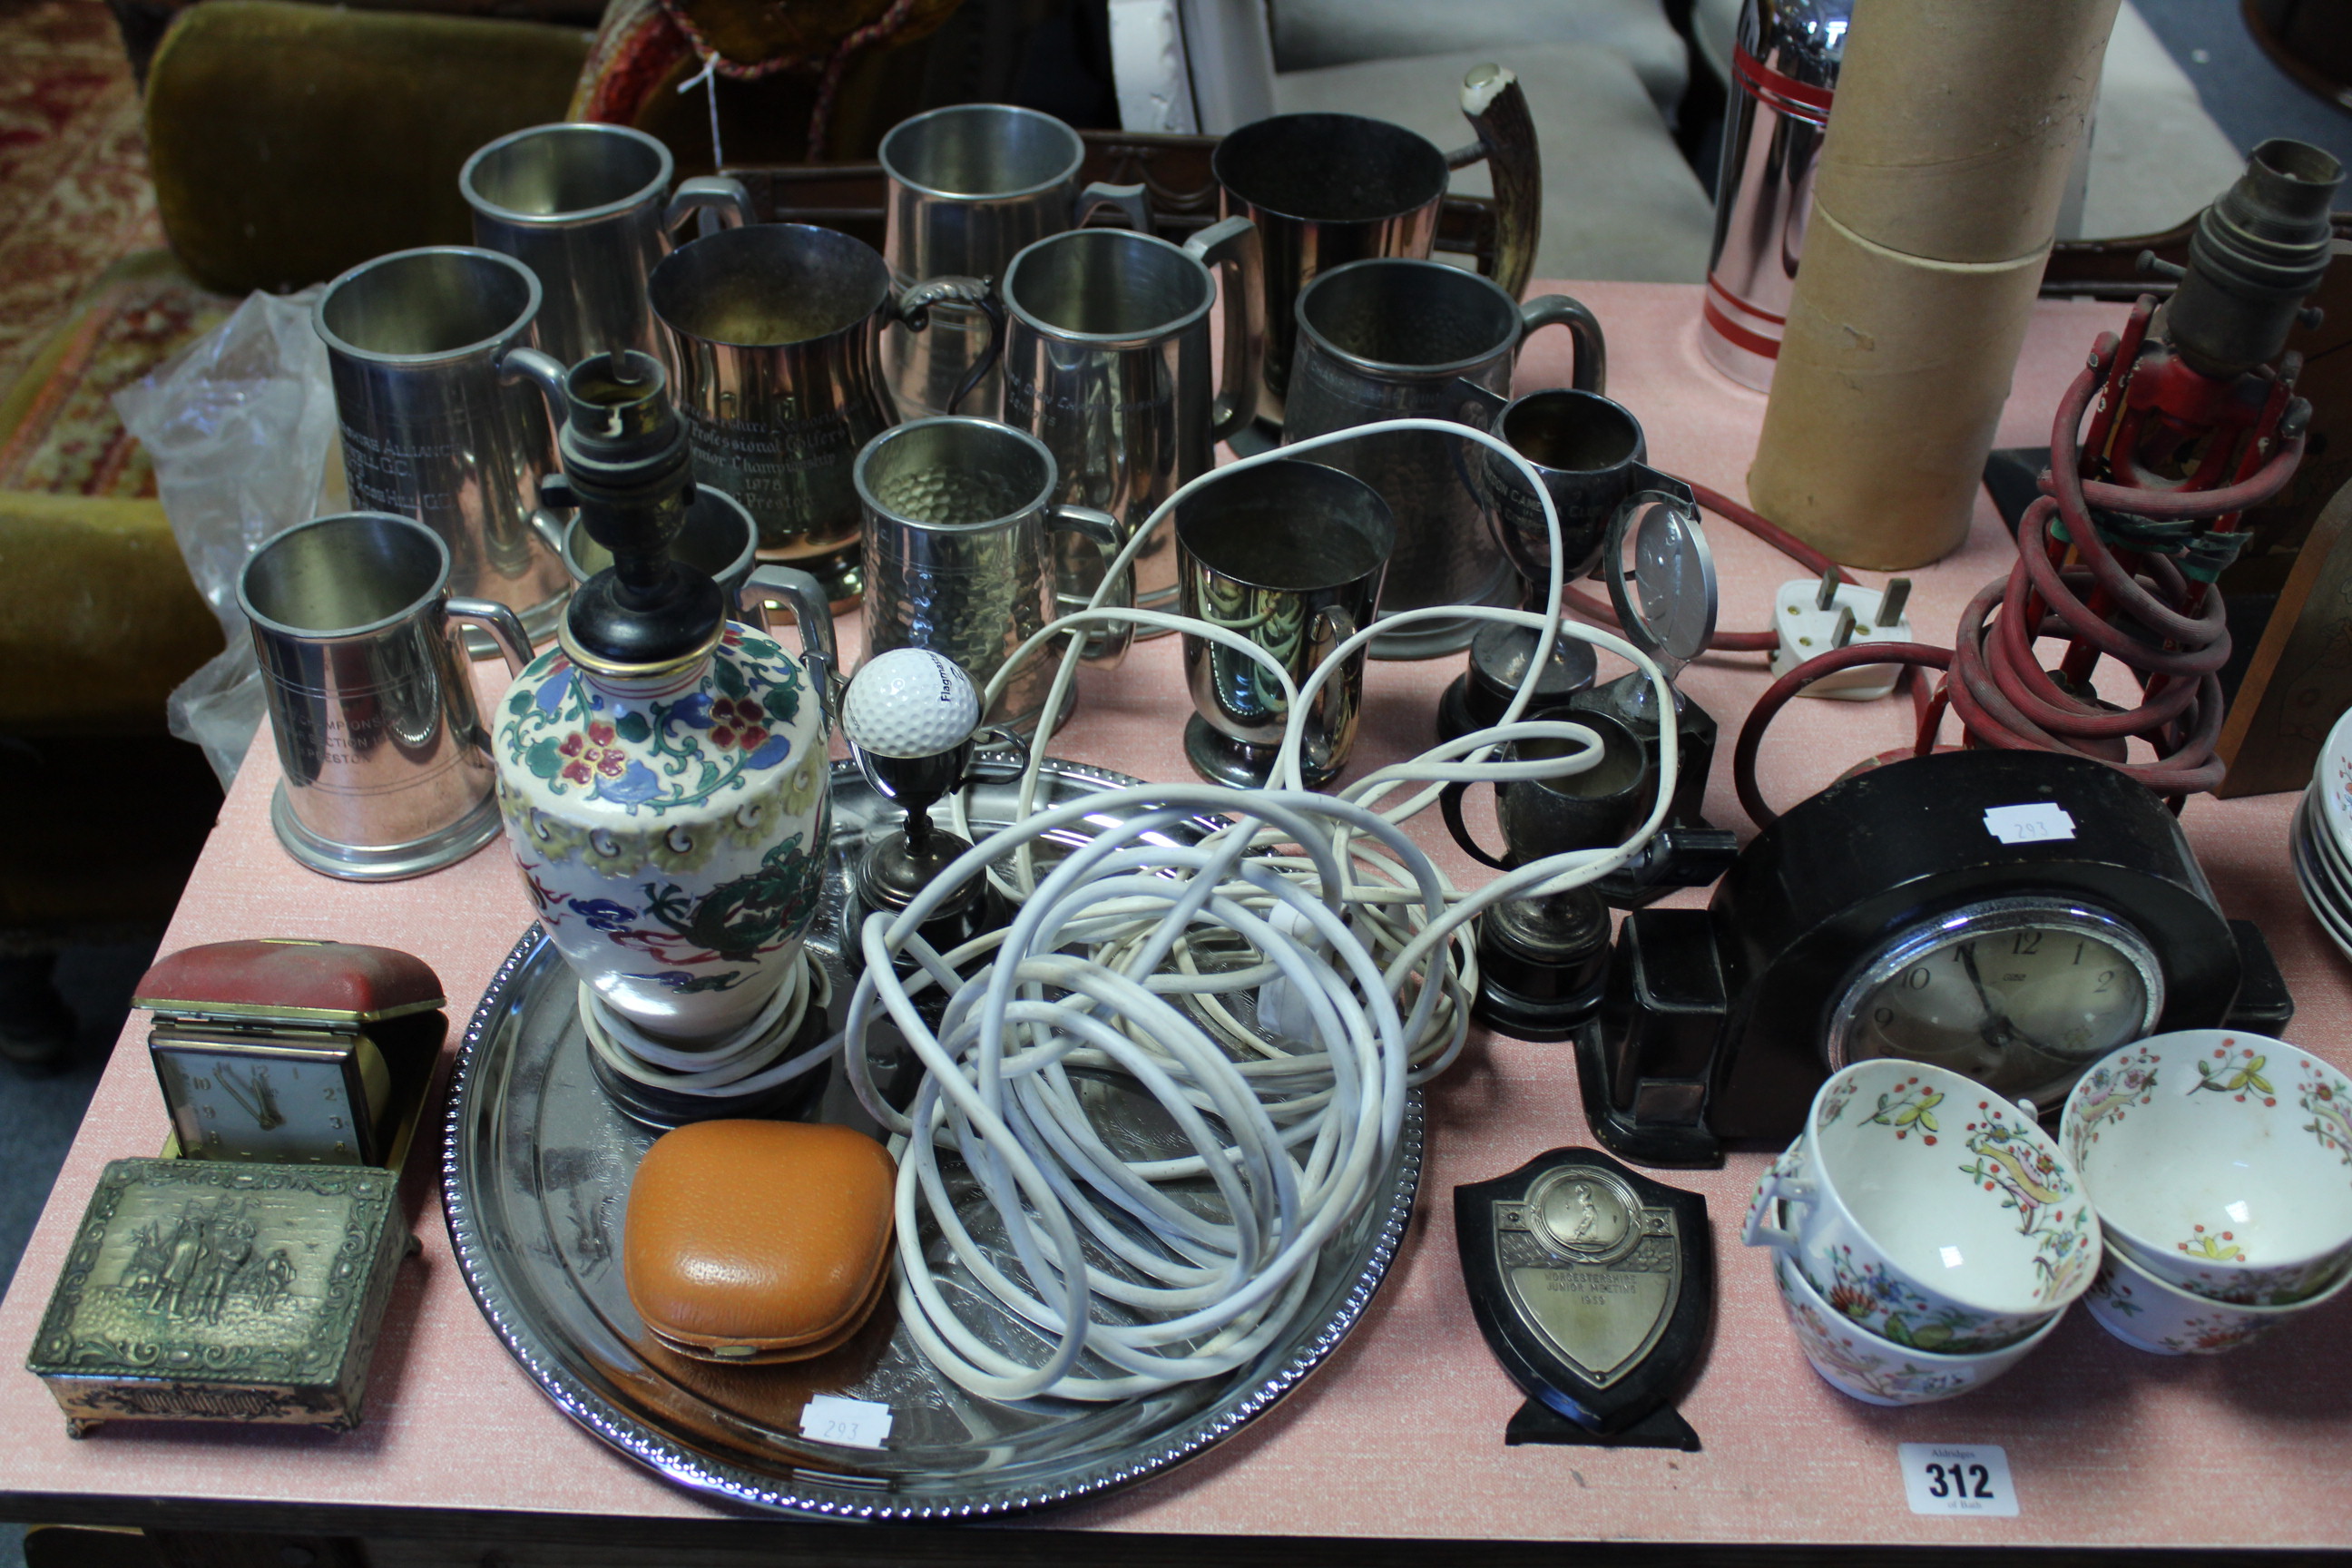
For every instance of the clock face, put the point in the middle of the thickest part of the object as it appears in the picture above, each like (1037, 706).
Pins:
(2020, 994)
(285, 1108)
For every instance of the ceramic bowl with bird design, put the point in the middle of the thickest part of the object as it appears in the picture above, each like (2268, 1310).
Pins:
(1925, 1209)
(1860, 1364)
(2220, 1163)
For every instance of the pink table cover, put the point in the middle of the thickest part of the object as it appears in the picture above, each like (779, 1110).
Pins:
(1400, 1434)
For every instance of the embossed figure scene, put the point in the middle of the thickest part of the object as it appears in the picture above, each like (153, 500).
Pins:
(234, 1270)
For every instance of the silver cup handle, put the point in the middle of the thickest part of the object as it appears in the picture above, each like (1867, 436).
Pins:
(804, 595)
(503, 624)
(1234, 244)
(914, 313)
(720, 195)
(1583, 329)
(1129, 199)
(1108, 644)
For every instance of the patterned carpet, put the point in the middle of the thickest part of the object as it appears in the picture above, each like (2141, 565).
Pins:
(86, 303)
(74, 192)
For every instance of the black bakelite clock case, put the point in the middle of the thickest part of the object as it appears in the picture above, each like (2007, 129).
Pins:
(1836, 878)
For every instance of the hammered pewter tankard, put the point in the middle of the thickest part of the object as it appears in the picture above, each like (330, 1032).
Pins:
(432, 427)
(387, 764)
(1404, 340)
(1107, 362)
(1328, 189)
(588, 208)
(967, 187)
(958, 515)
(775, 334)
(1290, 555)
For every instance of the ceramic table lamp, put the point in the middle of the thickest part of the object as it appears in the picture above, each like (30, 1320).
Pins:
(664, 781)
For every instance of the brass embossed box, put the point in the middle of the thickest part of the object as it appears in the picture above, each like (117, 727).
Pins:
(201, 1290)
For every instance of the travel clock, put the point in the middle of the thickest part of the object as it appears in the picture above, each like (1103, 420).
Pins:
(292, 1052)
(2013, 916)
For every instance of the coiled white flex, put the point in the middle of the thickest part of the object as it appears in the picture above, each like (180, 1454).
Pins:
(1118, 980)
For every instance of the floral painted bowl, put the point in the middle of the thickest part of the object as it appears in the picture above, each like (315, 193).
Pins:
(1862, 1366)
(1929, 1211)
(2152, 1315)
(2222, 1161)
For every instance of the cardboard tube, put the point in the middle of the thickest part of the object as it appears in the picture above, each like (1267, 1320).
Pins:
(1946, 156)
(1890, 381)
(1955, 125)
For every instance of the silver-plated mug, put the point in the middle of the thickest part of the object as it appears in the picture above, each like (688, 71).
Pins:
(1107, 361)
(1328, 189)
(1592, 454)
(433, 428)
(387, 763)
(1396, 340)
(1290, 555)
(967, 187)
(774, 350)
(720, 538)
(588, 208)
(958, 515)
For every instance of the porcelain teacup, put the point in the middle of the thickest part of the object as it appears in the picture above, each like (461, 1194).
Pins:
(1927, 1210)
(2220, 1162)
(1860, 1364)
(2155, 1315)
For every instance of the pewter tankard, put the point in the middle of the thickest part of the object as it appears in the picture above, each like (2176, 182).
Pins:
(1328, 189)
(387, 768)
(1107, 362)
(588, 208)
(1395, 340)
(773, 347)
(958, 515)
(431, 428)
(968, 186)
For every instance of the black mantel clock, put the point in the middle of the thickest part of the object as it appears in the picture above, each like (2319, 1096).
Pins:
(2013, 916)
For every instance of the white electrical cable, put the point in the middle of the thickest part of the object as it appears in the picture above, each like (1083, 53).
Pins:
(1117, 981)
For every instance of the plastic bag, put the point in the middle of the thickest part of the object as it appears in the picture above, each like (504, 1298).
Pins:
(240, 425)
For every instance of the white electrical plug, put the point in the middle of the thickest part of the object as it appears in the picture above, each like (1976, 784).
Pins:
(1811, 618)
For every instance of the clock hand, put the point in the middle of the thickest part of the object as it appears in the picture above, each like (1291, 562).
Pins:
(237, 1090)
(267, 1115)
(1996, 1030)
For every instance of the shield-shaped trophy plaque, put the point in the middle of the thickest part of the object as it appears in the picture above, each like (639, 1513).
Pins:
(1594, 1285)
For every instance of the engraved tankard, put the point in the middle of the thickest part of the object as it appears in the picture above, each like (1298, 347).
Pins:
(775, 334)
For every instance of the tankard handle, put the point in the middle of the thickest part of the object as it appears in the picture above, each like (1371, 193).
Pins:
(1234, 244)
(805, 596)
(720, 195)
(1497, 111)
(1129, 199)
(503, 624)
(1106, 646)
(1591, 373)
(1449, 800)
(914, 312)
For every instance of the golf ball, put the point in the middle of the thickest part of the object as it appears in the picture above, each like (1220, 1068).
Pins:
(909, 702)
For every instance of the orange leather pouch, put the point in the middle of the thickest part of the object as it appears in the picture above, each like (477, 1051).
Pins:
(759, 1241)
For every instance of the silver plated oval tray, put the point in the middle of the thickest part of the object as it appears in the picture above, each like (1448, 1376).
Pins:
(535, 1183)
